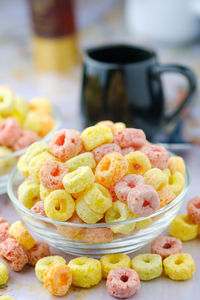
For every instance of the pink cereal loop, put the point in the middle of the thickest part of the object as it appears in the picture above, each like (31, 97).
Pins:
(122, 282)
(13, 253)
(157, 155)
(126, 184)
(38, 208)
(193, 209)
(65, 144)
(97, 235)
(102, 150)
(130, 137)
(143, 201)
(165, 246)
(4, 226)
(26, 138)
(39, 251)
(52, 173)
(9, 132)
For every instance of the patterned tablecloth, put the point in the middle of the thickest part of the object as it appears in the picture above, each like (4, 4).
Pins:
(16, 70)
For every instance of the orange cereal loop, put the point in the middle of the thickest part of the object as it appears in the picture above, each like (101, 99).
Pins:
(48, 124)
(166, 196)
(58, 279)
(111, 169)
(109, 124)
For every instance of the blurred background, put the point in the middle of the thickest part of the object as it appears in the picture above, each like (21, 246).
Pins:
(41, 48)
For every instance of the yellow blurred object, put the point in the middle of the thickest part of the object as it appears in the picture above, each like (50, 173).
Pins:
(47, 124)
(41, 104)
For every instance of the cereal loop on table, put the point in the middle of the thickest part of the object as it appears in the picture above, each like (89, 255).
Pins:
(148, 266)
(138, 163)
(78, 180)
(98, 198)
(58, 279)
(6, 298)
(166, 245)
(51, 174)
(39, 250)
(176, 183)
(117, 213)
(4, 226)
(126, 184)
(95, 136)
(157, 155)
(65, 144)
(112, 261)
(193, 209)
(156, 177)
(176, 164)
(166, 196)
(85, 159)
(10, 132)
(86, 272)
(3, 274)
(130, 137)
(13, 254)
(179, 266)
(97, 235)
(43, 263)
(143, 201)
(59, 205)
(29, 193)
(111, 169)
(123, 282)
(86, 214)
(103, 150)
(182, 228)
(19, 232)
(108, 124)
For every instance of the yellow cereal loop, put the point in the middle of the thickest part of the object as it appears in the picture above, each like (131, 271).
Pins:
(22, 166)
(167, 172)
(32, 122)
(120, 125)
(20, 111)
(81, 160)
(176, 164)
(35, 149)
(6, 101)
(41, 104)
(107, 123)
(176, 183)
(148, 266)
(78, 180)
(156, 178)
(180, 266)
(138, 163)
(43, 263)
(113, 261)
(117, 213)
(98, 198)
(86, 272)
(183, 229)
(37, 162)
(3, 274)
(143, 224)
(59, 205)
(19, 232)
(95, 136)
(6, 164)
(6, 298)
(29, 193)
(44, 192)
(85, 213)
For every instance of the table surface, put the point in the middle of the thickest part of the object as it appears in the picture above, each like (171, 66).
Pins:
(17, 71)
(24, 285)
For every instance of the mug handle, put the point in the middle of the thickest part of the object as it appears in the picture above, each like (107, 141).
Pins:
(157, 70)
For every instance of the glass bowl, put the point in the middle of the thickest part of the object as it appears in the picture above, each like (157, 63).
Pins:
(8, 162)
(78, 239)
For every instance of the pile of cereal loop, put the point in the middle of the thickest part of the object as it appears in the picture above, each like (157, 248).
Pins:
(106, 173)
(21, 124)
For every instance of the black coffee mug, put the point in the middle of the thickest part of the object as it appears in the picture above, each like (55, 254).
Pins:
(122, 83)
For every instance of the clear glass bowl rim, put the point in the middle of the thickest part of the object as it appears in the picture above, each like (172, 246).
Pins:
(58, 118)
(95, 225)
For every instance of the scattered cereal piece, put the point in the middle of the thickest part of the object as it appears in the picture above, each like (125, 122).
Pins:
(19, 232)
(112, 261)
(39, 250)
(193, 209)
(182, 228)
(3, 274)
(165, 246)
